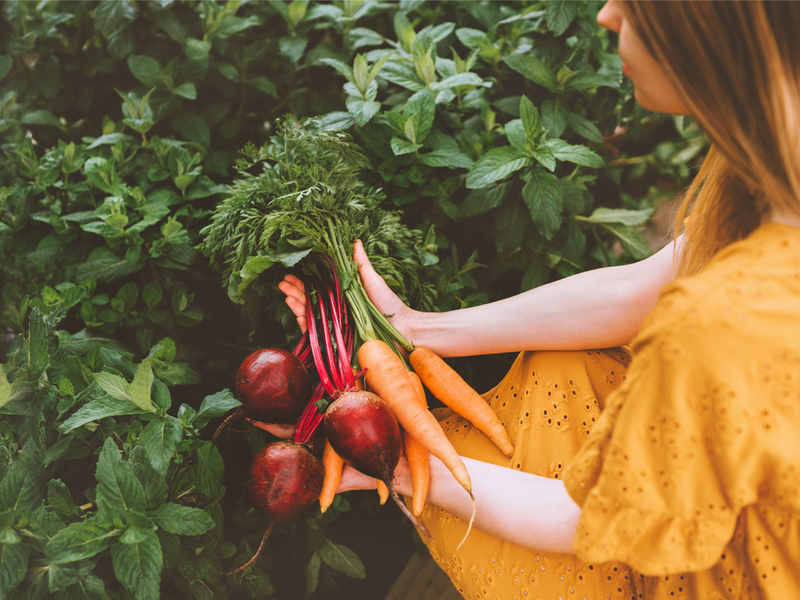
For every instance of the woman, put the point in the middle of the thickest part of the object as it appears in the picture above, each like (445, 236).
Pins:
(674, 474)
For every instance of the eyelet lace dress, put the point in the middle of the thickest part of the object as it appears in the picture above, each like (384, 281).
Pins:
(685, 460)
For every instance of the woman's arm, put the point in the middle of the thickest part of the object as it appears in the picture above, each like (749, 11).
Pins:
(531, 511)
(602, 308)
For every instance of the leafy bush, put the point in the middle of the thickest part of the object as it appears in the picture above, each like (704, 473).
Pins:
(485, 123)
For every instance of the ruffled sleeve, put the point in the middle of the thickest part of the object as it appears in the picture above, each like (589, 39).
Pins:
(689, 439)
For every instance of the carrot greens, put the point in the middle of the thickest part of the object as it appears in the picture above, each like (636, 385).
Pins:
(302, 195)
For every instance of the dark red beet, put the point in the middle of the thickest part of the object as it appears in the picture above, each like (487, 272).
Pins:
(365, 433)
(273, 386)
(284, 482)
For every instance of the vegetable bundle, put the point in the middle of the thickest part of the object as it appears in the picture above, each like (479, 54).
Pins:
(306, 207)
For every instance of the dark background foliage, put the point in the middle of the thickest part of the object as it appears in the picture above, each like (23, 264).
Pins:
(503, 131)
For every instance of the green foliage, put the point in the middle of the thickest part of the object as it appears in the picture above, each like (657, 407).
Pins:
(499, 141)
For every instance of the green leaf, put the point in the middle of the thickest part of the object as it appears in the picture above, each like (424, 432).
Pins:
(5, 388)
(263, 84)
(341, 67)
(400, 147)
(421, 107)
(495, 165)
(38, 344)
(160, 439)
(60, 499)
(118, 489)
(61, 576)
(141, 386)
(515, 132)
(545, 156)
(6, 62)
(630, 238)
(182, 520)
(312, 574)
(620, 215)
(580, 155)
(533, 69)
(585, 128)
(559, 14)
(483, 200)
(99, 409)
(543, 195)
(457, 80)
(208, 468)
(531, 121)
(13, 566)
(403, 75)
(342, 559)
(446, 157)
(192, 128)
(146, 69)
(115, 386)
(79, 541)
(185, 90)
(555, 116)
(18, 492)
(362, 111)
(138, 566)
(213, 407)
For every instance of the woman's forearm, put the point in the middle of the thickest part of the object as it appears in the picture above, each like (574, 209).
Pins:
(528, 510)
(602, 308)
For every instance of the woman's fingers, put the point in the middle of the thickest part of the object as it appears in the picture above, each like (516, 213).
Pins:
(281, 430)
(295, 299)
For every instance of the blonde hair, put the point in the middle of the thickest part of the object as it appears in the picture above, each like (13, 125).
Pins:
(736, 65)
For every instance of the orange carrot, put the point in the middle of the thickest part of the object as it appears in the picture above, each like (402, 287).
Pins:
(452, 390)
(333, 464)
(383, 491)
(387, 375)
(417, 456)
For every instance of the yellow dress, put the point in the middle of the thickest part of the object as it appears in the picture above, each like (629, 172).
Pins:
(689, 480)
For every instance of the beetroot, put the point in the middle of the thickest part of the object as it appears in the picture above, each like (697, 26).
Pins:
(284, 482)
(272, 385)
(363, 430)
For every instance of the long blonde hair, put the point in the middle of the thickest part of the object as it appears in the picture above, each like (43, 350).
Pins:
(737, 66)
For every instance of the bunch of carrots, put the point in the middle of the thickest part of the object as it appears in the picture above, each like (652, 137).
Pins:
(401, 385)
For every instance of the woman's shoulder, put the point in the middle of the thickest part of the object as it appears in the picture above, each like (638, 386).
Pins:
(751, 288)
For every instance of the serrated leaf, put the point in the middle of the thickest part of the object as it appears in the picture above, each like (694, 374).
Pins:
(403, 75)
(18, 492)
(421, 107)
(585, 128)
(515, 132)
(531, 121)
(620, 215)
(60, 499)
(457, 80)
(213, 407)
(342, 559)
(543, 195)
(117, 489)
(400, 146)
(208, 468)
(61, 576)
(483, 200)
(13, 565)
(580, 155)
(630, 238)
(115, 386)
(362, 111)
(146, 69)
(5, 388)
(182, 520)
(141, 386)
(101, 408)
(495, 165)
(138, 566)
(559, 14)
(446, 157)
(160, 439)
(533, 69)
(79, 541)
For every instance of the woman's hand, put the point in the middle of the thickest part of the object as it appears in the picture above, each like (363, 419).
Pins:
(381, 295)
